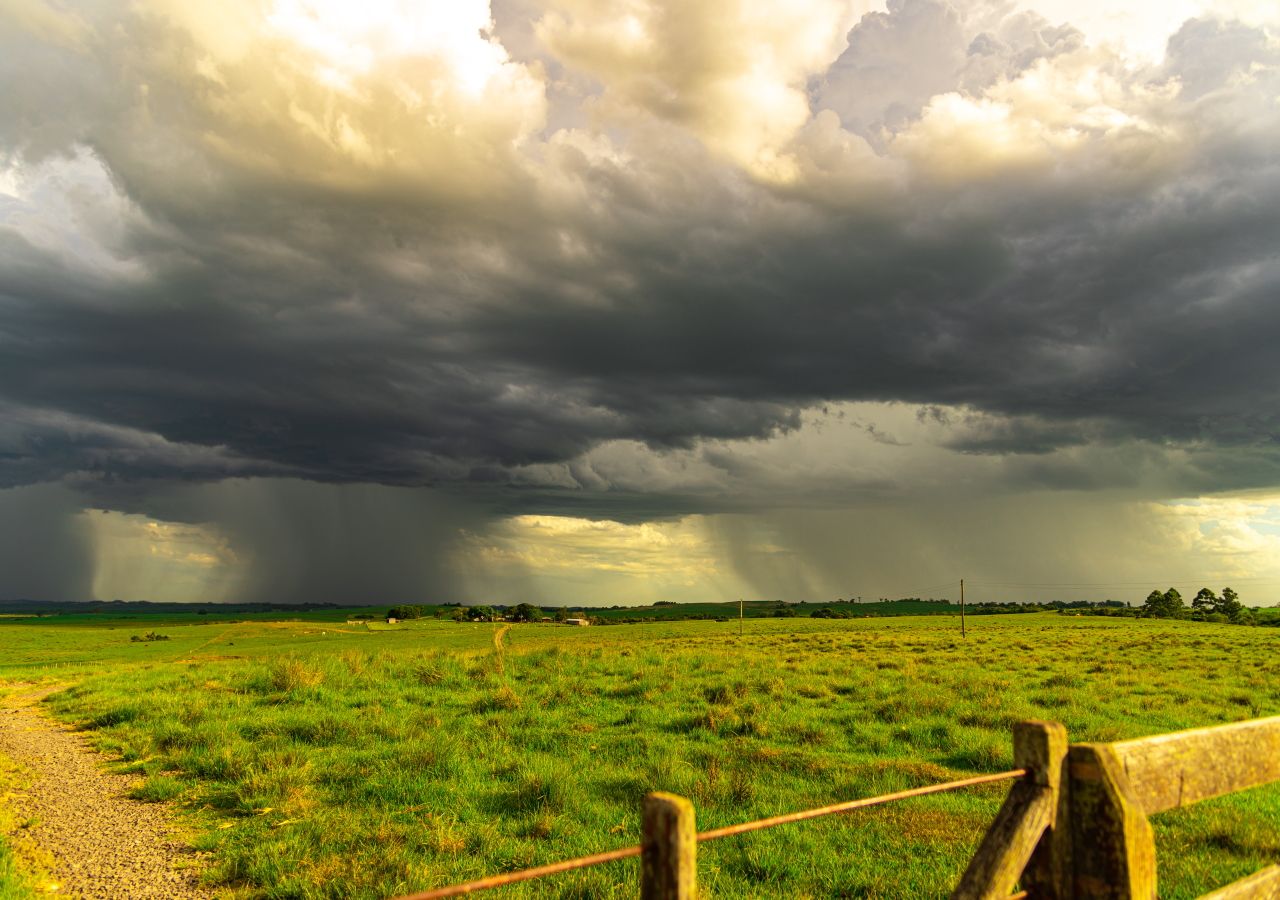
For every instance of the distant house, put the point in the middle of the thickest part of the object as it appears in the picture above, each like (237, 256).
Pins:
(392, 620)
(581, 622)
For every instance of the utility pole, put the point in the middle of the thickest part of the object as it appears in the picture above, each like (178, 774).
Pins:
(739, 617)
(962, 632)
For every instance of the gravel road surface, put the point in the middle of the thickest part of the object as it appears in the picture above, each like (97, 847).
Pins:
(105, 846)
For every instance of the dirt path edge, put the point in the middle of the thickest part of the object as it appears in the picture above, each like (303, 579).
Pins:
(100, 844)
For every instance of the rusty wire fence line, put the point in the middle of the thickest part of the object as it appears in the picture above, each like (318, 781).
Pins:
(494, 881)
(596, 859)
(851, 805)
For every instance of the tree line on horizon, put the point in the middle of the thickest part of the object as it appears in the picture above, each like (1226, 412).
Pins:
(1206, 606)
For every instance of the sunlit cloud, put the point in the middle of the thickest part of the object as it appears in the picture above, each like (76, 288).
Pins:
(734, 73)
(352, 39)
(68, 209)
(1240, 535)
(137, 557)
(663, 550)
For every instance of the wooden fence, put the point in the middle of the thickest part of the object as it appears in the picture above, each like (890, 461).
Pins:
(1077, 827)
(1074, 824)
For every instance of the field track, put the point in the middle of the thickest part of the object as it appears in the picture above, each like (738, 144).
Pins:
(103, 844)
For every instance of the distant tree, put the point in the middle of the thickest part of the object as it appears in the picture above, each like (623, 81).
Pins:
(479, 614)
(526, 612)
(1205, 602)
(1209, 607)
(1154, 604)
(404, 612)
(562, 614)
(1168, 605)
(1230, 605)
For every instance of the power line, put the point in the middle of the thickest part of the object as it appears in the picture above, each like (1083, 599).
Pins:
(1257, 581)
(916, 592)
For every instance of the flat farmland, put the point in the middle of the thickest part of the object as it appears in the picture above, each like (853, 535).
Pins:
(314, 758)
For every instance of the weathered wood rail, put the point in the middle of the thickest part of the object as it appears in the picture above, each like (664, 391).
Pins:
(1074, 824)
(1095, 842)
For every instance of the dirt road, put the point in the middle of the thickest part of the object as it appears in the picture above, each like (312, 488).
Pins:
(105, 846)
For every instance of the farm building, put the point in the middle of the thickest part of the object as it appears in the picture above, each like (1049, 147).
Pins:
(581, 622)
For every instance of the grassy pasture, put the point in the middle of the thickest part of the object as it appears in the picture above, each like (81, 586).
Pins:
(317, 759)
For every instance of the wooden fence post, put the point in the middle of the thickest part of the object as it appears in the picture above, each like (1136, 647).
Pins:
(669, 846)
(1041, 748)
(1113, 850)
(1019, 842)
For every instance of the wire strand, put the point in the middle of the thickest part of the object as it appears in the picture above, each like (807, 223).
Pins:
(583, 862)
(493, 881)
(717, 833)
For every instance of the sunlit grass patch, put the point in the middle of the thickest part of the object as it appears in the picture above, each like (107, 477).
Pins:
(15, 882)
(158, 789)
(23, 866)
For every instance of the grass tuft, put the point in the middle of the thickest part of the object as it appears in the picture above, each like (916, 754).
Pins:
(292, 674)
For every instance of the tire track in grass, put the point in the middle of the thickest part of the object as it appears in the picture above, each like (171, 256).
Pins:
(190, 655)
(498, 649)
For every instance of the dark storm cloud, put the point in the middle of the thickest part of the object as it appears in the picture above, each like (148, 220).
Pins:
(497, 308)
(1019, 435)
(1153, 311)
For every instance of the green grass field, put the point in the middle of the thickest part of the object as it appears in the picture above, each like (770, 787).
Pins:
(317, 759)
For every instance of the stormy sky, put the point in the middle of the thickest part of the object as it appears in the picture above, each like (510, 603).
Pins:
(624, 300)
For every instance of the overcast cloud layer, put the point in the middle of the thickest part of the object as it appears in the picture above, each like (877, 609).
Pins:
(626, 261)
